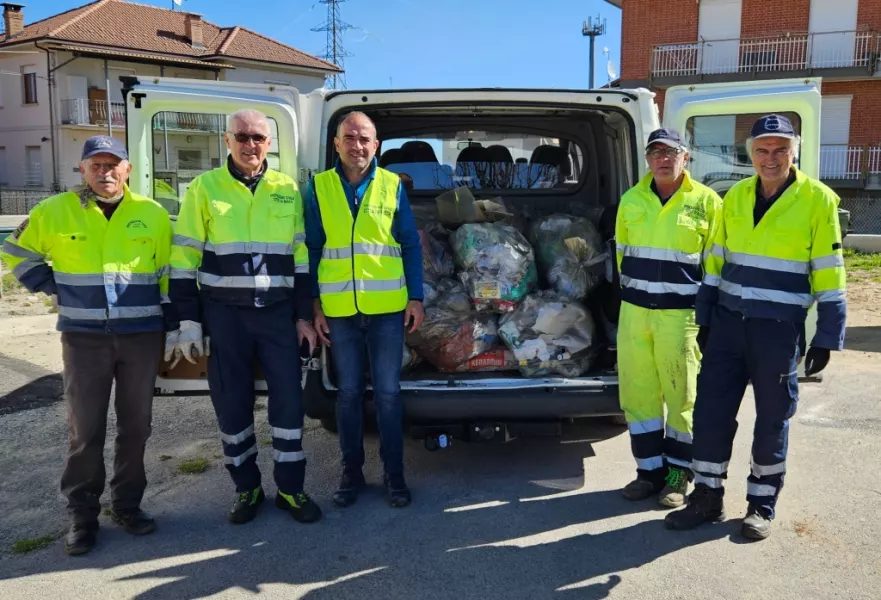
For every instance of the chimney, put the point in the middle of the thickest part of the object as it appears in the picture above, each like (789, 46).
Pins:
(13, 18)
(194, 30)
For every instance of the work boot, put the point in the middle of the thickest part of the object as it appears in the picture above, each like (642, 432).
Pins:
(133, 521)
(704, 506)
(80, 538)
(397, 492)
(300, 505)
(755, 526)
(673, 494)
(350, 484)
(246, 505)
(640, 489)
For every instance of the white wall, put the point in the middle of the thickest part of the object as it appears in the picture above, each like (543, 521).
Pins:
(243, 73)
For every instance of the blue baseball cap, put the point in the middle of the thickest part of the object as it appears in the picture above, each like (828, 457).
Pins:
(668, 137)
(773, 126)
(104, 144)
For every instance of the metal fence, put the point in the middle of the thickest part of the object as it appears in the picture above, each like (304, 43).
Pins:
(19, 201)
(865, 214)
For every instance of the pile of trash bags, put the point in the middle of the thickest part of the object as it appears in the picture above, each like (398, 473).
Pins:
(448, 339)
(571, 254)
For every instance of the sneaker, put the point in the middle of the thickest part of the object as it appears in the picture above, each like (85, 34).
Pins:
(640, 489)
(246, 505)
(756, 526)
(674, 493)
(704, 506)
(300, 505)
(350, 484)
(133, 521)
(80, 538)
(397, 492)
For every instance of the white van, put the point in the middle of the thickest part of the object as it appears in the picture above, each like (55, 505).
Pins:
(593, 139)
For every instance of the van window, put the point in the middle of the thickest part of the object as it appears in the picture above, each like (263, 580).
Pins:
(718, 156)
(484, 160)
(185, 145)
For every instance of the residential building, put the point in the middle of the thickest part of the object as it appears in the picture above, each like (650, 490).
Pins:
(697, 41)
(60, 84)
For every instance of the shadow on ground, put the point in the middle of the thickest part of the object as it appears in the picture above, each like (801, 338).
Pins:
(863, 339)
(42, 387)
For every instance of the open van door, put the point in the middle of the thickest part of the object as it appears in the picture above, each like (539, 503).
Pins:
(175, 131)
(717, 118)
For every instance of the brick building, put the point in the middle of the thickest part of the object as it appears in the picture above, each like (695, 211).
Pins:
(680, 42)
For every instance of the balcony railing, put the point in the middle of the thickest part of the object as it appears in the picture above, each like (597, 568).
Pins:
(189, 122)
(840, 161)
(791, 52)
(82, 111)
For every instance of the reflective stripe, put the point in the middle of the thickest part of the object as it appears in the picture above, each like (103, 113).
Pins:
(89, 314)
(763, 470)
(336, 288)
(766, 262)
(662, 254)
(646, 426)
(336, 253)
(301, 269)
(227, 248)
(376, 250)
(79, 279)
(758, 489)
(650, 464)
(713, 280)
(748, 293)
(717, 251)
(116, 312)
(660, 287)
(710, 467)
(827, 262)
(239, 437)
(258, 282)
(238, 460)
(364, 285)
(163, 271)
(188, 242)
(300, 238)
(26, 265)
(164, 298)
(19, 252)
(134, 312)
(286, 434)
(831, 296)
(713, 482)
(279, 456)
(183, 273)
(682, 463)
(83, 279)
(679, 436)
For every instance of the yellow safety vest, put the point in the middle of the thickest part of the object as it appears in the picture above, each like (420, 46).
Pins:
(242, 248)
(111, 276)
(660, 249)
(361, 269)
(778, 268)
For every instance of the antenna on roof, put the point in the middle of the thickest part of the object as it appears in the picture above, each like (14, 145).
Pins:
(176, 2)
(334, 51)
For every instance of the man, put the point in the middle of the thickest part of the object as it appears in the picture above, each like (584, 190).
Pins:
(664, 225)
(777, 250)
(240, 268)
(109, 251)
(365, 251)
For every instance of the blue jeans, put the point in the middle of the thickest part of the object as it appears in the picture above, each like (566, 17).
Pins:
(353, 339)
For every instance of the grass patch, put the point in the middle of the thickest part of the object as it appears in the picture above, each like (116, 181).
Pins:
(862, 267)
(194, 466)
(265, 441)
(32, 545)
(259, 406)
(165, 457)
(106, 512)
(10, 284)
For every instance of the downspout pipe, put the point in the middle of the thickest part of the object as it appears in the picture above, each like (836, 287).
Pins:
(52, 132)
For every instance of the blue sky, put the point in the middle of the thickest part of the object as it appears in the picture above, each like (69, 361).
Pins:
(429, 43)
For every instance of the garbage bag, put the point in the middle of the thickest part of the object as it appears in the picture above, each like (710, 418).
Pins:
(497, 359)
(451, 296)
(497, 264)
(410, 358)
(447, 339)
(436, 261)
(550, 334)
(570, 252)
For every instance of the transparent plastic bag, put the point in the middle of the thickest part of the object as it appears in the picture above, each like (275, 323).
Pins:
(448, 340)
(549, 334)
(570, 252)
(436, 261)
(410, 359)
(497, 264)
(452, 297)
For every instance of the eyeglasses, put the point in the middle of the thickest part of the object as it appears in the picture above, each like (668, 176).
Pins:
(243, 138)
(666, 153)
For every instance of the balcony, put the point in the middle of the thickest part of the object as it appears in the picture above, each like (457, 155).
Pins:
(846, 166)
(840, 53)
(82, 111)
(195, 122)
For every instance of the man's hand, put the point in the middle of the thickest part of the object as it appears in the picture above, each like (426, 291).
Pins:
(320, 323)
(816, 360)
(414, 315)
(703, 336)
(307, 332)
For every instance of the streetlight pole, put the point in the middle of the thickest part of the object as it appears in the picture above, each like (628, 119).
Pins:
(593, 29)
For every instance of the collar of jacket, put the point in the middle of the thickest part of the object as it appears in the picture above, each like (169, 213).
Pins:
(800, 180)
(645, 184)
(371, 171)
(86, 194)
(237, 173)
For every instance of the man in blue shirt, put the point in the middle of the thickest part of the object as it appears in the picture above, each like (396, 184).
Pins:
(379, 336)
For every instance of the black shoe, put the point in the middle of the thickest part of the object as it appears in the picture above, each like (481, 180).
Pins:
(80, 538)
(300, 505)
(350, 484)
(246, 505)
(756, 525)
(704, 506)
(133, 521)
(397, 491)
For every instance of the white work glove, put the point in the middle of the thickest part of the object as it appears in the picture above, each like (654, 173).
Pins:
(187, 342)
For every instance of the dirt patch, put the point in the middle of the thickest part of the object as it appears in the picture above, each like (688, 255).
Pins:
(18, 302)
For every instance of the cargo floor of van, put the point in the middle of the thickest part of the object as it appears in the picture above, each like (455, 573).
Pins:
(427, 372)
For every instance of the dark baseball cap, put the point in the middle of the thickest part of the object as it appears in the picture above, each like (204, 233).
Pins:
(104, 144)
(668, 137)
(773, 126)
